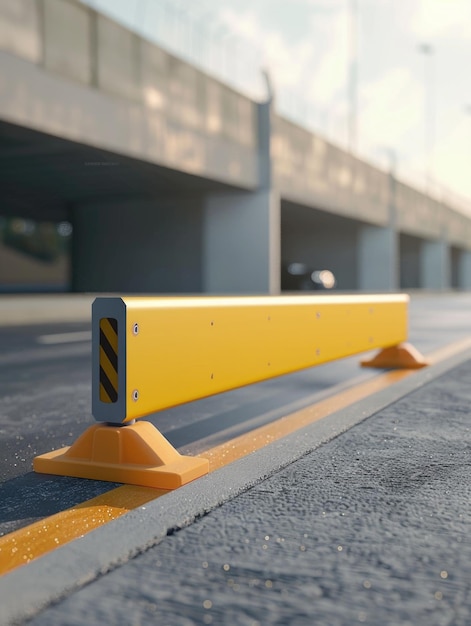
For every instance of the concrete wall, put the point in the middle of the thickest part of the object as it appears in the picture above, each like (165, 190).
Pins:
(98, 83)
(241, 243)
(308, 170)
(67, 51)
(464, 270)
(460, 268)
(378, 258)
(456, 228)
(139, 246)
(321, 242)
(410, 277)
(20, 271)
(21, 29)
(455, 262)
(435, 264)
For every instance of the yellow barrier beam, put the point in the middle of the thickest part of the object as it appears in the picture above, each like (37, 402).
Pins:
(150, 354)
(175, 350)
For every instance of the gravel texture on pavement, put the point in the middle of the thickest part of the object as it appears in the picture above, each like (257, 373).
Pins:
(371, 528)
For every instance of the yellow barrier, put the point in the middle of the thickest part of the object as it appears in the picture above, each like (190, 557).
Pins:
(150, 354)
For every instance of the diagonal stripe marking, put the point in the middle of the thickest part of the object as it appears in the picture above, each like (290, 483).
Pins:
(109, 326)
(108, 368)
(107, 348)
(107, 392)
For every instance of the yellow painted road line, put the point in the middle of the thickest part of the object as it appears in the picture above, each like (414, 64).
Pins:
(260, 437)
(449, 350)
(35, 540)
(24, 545)
(240, 446)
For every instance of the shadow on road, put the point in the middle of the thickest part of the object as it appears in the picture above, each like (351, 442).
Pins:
(28, 498)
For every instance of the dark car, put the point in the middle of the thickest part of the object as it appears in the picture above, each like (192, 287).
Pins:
(299, 277)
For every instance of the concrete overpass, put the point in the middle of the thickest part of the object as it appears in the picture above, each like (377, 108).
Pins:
(176, 183)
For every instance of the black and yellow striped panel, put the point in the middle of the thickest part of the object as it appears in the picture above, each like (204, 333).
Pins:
(108, 359)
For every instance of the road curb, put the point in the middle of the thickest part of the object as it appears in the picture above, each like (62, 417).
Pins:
(34, 309)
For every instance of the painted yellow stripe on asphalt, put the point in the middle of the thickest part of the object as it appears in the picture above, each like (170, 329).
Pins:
(236, 448)
(260, 437)
(24, 545)
(35, 540)
(446, 352)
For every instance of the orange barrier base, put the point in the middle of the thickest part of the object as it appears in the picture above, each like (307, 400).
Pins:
(137, 454)
(402, 356)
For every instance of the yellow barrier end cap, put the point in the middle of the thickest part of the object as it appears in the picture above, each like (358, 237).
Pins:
(402, 356)
(136, 454)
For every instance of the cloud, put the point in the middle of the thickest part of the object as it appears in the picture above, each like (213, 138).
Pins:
(329, 72)
(286, 61)
(323, 6)
(392, 106)
(244, 24)
(451, 162)
(440, 19)
(310, 74)
(314, 69)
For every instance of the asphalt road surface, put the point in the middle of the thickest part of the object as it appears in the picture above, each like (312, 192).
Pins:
(45, 388)
(371, 528)
(45, 402)
(45, 391)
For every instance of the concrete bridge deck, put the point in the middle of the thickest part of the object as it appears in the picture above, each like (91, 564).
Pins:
(174, 181)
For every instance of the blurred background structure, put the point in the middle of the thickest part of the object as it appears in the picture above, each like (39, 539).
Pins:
(156, 154)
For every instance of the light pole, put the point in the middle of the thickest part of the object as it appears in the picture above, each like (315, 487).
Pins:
(393, 164)
(429, 111)
(353, 75)
(392, 160)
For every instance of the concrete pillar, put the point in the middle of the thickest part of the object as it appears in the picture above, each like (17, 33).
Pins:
(410, 248)
(241, 243)
(464, 270)
(378, 258)
(242, 230)
(435, 265)
(138, 246)
(379, 247)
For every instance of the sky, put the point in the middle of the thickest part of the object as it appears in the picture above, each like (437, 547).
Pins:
(408, 100)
